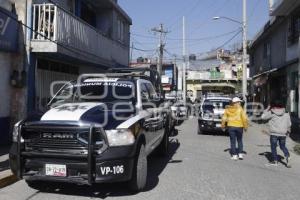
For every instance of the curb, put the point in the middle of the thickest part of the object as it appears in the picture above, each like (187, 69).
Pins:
(7, 178)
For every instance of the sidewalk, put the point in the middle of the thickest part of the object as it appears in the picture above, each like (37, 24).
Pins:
(6, 176)
(290, 142)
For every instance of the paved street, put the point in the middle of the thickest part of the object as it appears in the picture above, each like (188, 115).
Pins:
(198, 168)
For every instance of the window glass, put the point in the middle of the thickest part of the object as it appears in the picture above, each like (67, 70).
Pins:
(95, 92)
(210, 104)
(151, 90)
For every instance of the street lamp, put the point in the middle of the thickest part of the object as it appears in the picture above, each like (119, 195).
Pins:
(244, 27)
(230, 19)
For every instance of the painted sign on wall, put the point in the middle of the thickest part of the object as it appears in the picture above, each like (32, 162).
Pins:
(8, 31)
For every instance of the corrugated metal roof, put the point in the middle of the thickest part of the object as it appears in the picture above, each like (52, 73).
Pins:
(203, 65)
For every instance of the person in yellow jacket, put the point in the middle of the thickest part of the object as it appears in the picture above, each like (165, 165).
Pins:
(236, 121)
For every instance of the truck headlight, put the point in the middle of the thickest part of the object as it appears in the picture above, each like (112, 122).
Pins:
(206, 115)
(16, 132)
(120, 137)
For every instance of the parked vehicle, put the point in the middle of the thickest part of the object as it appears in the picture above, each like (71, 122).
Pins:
(179, 110)
(96, 131)
(211, 111)
(153, 76)
(171, 96)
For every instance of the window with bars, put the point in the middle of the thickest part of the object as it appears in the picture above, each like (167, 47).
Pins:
(121, 30)
(267, 53)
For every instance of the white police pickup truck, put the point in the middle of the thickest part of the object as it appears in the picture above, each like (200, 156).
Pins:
(210, 113)
(97, 130)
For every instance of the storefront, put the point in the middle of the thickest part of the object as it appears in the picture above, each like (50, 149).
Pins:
(279, 84)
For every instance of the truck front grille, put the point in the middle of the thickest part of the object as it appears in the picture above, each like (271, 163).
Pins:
(60, 139)
(54, 143)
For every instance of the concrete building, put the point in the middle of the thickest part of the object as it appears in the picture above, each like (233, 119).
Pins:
(215, 71)
(57, 41)
(11, 62)
(274, 57)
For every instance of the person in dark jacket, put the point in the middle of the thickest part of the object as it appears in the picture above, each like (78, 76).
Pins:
(279, 123)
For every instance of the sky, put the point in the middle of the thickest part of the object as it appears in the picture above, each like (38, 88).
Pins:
(202, 32)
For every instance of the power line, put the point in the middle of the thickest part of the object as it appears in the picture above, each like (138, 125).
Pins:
(208, 37)
(141, 44)
(193, 39)
(229, 40)
(162, 33)
(254, 7)
(191, 10)
(220, 47)
(141, 50)
(144, 50)
(143, 36)
(211, 14)
(153, 55)
(170, 54)
(197, 43)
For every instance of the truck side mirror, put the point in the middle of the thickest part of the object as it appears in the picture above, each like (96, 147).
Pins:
(144, 96)
(156, 97)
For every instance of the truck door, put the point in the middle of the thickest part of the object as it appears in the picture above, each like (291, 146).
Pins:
(158, 115)
(147, 121)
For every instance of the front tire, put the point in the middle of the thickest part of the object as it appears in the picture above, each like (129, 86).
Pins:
(163, 148)
(139, 176)
(199, 131)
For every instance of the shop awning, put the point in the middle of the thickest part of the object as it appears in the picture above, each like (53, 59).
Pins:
(264, 73)
(262, 78)
(217, 85)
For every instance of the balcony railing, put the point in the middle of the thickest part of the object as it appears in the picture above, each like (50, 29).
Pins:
(53, 24)
(44, 22)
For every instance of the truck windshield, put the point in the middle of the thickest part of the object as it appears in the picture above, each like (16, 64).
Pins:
(211, 104)
(95, 92)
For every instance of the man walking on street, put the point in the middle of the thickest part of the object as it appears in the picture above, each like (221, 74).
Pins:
(236, 121)
(279, 123)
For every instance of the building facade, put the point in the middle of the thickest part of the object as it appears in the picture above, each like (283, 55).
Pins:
(214, 72)
(57, 41)
(274, 57)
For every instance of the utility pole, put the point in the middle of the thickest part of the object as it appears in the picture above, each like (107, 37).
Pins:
(184, 60)
(175, 80)
(161, 32)
(131, 54)
(244, 79)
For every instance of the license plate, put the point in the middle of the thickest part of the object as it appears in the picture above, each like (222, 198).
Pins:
(56, 170)
(114, 170)
(218, 125)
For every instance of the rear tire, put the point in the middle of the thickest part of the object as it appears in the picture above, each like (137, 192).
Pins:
(139, 175)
